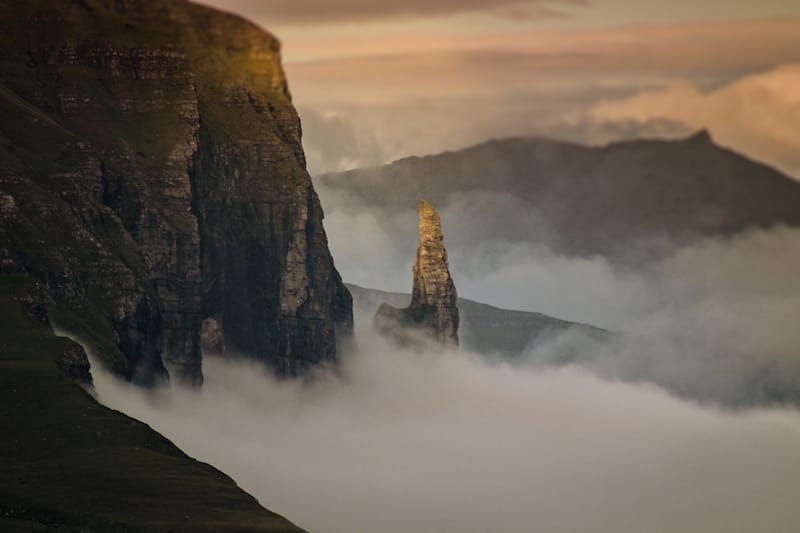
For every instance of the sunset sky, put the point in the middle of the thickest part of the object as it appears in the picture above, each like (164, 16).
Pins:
(375, 81)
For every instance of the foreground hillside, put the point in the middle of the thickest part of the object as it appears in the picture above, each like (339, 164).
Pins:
(625, 200)
(69, 464)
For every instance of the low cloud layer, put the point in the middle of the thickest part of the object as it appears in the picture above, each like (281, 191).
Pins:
(437, 442)
(713, 321)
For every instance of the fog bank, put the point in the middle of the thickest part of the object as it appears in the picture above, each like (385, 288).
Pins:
(714, 320)
(440, 441)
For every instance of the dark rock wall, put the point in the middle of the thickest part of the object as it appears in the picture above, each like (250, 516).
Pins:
(152, 176)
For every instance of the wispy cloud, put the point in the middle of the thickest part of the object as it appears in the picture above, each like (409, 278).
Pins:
(326, 11)
(462, 91)
(704, 50)
(757, 114)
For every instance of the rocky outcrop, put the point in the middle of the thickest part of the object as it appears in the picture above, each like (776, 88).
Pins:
(433, 309)
(71, 359)
(153, 179)
(494, 332)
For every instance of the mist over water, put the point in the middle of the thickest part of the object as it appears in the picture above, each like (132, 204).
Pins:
(439, 441)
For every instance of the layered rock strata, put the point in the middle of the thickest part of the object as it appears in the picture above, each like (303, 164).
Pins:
(152, 177)
(433, 309)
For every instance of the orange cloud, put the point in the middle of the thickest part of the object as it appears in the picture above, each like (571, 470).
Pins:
(325, 11)
(435, 92)
(713, 39)
(425, 64)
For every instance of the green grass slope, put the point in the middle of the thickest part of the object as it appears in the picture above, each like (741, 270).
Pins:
(70, 464)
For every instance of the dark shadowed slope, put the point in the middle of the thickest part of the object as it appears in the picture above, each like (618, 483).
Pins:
(591, 200)
(70, 464)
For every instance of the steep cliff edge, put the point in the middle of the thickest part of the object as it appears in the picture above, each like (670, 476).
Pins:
(152, 178)
(433, 309)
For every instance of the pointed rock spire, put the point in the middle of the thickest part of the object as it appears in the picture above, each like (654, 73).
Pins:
(433, 306)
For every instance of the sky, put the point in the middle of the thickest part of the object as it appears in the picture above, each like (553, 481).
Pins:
(377, 81)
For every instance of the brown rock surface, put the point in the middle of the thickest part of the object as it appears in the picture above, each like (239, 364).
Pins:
(152, 177)
(433, 309)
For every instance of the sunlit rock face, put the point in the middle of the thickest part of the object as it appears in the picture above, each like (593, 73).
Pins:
(152, 177)
(433, 310)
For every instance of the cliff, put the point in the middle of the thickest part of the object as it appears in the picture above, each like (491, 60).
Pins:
(152, 178)
(433, 308)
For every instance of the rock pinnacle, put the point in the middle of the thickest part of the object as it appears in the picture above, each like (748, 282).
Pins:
(433, 301)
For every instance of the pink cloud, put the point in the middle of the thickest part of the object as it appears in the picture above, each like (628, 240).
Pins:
(324, 11)
(425, 64)
(757, 114)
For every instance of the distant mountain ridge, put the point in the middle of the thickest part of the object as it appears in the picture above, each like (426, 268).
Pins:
(627, 198)
(485, 329)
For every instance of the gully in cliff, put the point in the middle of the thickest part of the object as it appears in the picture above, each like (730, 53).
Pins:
(433, 309)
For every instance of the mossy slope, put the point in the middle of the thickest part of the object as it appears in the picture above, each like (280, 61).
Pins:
(70, 464)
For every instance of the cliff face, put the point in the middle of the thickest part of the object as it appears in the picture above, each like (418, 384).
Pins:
(152, 177)
(433, 307)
